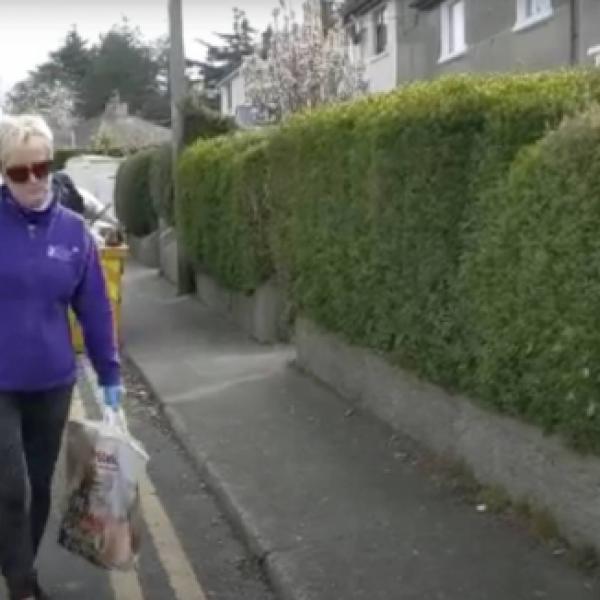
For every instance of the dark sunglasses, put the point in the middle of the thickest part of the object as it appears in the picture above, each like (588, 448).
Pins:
(21, 173)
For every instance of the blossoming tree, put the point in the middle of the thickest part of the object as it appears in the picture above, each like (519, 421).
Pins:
(54, 101)
(304, 65)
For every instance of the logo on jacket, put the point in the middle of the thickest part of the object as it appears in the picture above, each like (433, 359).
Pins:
(61, 253)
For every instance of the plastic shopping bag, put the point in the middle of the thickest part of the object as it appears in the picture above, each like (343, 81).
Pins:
(102, 517)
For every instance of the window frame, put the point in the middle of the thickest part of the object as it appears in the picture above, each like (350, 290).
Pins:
(525, 20)
(380, 30)
(451, 45)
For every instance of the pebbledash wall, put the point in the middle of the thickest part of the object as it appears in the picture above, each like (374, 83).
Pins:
(159, 250)
(262, 314)
(168, 253)
(497, 38)
(146, 249)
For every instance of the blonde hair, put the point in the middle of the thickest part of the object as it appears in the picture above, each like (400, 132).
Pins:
(18, 130)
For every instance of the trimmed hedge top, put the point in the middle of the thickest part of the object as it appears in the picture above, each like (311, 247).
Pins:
(377, 213)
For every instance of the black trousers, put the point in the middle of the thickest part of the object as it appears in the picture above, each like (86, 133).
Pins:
(31, 427)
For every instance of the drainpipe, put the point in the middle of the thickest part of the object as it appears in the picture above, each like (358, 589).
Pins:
(397, 25)
(574, 33)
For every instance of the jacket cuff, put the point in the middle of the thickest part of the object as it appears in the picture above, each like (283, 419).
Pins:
(109, 377)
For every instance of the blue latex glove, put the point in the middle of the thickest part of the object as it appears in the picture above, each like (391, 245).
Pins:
(113, 394)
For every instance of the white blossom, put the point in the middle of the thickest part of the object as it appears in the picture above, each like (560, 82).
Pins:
(304, 67)
(54, 101)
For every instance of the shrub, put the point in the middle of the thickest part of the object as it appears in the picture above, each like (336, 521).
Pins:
(133, 200)
(384, 217)
(161, 183)
(201, 122)
(533, 284)
(221, 208)
(369, 227)
(376, 202)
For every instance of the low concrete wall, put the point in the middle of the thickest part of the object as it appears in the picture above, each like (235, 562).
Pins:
(499, 450)
(260, 315)
(168, 251)
(146, 249)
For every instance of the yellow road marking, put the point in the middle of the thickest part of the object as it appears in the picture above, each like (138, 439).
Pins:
(125, 585)
(180, 573)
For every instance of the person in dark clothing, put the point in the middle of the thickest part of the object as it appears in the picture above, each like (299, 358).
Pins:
(48, 264)
(65, 189)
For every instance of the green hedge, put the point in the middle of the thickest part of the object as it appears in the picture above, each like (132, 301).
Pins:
(61, 156)
(221, 208)
(161, 183)
(376, 202)
(375, 212)
(201, 122)
(534, 286)
(133, 201)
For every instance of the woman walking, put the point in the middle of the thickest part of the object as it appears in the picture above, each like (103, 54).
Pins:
(48, 263)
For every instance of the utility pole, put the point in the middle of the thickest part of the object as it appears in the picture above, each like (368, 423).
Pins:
(185, 279)
(176, 72)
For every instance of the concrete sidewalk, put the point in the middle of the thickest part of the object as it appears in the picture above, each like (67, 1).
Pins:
(337, 510)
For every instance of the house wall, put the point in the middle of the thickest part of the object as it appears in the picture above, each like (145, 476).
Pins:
(589, 34)
(380, 70)
(223, 90)
(492, 43)
(238, 94)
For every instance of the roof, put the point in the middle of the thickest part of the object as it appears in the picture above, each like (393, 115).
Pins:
(232, 75)
(123, 131)
(425, 4)
(358, 7)
(62, 137)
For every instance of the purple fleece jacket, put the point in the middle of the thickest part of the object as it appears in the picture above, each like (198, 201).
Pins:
(48, 263)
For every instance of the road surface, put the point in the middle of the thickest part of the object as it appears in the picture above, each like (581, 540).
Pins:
(189, 552)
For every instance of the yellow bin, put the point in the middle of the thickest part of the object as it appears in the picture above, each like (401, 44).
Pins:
(113, 263)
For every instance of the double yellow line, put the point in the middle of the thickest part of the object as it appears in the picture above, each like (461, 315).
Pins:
(183, 580)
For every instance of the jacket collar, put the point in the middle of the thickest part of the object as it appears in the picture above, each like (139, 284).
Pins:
(8, 202)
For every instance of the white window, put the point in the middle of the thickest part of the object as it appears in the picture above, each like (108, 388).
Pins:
(530, 12)
(453, 29)
(594, 54)
(357, 40)
(380, 30)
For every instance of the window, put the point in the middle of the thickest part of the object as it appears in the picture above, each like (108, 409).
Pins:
(453, 29)
(594, 54)
(364, 32)
(380, 28)
(530, 12)
(356, 35)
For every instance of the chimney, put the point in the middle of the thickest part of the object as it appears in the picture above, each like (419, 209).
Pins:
(115, 108)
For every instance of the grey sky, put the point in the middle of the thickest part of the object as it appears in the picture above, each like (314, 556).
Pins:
(29, 29)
